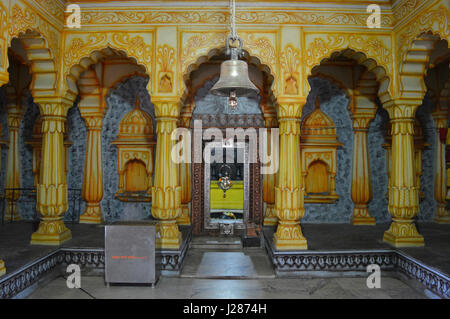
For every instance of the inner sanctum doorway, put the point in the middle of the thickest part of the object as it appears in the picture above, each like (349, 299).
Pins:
(226, 190)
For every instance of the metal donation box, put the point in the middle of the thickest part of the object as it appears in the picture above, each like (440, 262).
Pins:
(130, 253)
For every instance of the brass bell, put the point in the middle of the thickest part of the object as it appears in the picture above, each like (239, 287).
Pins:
(234, 79)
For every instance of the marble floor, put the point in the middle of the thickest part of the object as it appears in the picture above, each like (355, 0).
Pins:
(231, 274)
(198, 288)
(227, 264)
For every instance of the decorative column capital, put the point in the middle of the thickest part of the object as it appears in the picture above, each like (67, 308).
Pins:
(185, 118)
(93, 122)
(403, 109)
(14, 120)
(53, 106)
(167, 107)
(290, 108)
(361, 122)
(270, 120)
(440, 117)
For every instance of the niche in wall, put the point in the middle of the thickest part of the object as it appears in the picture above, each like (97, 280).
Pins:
(135, 144)
(318, 147)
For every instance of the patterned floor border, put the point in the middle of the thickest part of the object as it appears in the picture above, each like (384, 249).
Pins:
(296, 263)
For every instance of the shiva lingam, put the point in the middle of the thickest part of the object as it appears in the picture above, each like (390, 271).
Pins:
(225, 182)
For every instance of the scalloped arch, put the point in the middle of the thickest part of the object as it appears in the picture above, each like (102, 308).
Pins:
(217, 51)
(74, 71)
(416, 62)
(40, 60)
(362, 59)
(202, 58)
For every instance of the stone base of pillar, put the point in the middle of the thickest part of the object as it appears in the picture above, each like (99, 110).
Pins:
(51, 232)
(361, 216)
(185, 217)
(12, 213)
(442, 216)
(402, 234)
(167, 235)
(270, 215)
(92, 214)
(2, 268)
(289, 236)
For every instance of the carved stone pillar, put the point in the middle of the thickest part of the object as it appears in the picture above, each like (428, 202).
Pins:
(2, 268)
(440, 176)
(185, 177)
(93, 173)
(2, 264)
(289, 193)
(166, 194)
(270, 216)
(403, 192)
(361, 181)
(13, 164)
(448, 164)
(36, 144)
(419, 145)
(52, 192)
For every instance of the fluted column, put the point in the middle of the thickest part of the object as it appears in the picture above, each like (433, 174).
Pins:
(93, 173)
(185, 178)
(270, 216)
(4, 78)
(166, 194)
(403, 192)
(2, 268)
(448, 164)
(289, 193)
(440, 175)
(52, 188)
(361, 181)
(2, 264)
(13, 165)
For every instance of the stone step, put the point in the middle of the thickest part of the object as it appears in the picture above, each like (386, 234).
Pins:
(213, 242)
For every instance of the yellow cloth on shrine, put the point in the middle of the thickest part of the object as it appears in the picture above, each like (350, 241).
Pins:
(234, 196)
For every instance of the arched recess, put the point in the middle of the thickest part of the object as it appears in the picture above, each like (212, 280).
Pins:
(360, 85)
(424, 51)
(41, 61)
(268, 100)
(99, 80)
(76, 70)
(371, 65)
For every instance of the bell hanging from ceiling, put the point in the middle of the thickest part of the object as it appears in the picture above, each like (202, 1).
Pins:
(234, 80)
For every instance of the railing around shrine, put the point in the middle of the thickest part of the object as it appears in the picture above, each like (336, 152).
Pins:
(25, 198)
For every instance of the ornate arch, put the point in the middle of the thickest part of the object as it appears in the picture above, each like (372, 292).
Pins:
(415, 64)
(192, 59)
(201, 47)
(415, 44)
(4, 77)
(359, 48)
(41, 44)
(80, 54)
